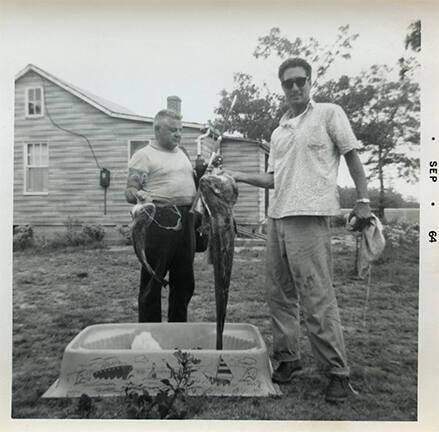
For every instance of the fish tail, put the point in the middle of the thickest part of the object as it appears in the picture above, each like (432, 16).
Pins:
(220, 319)
(219, 335)
(151, 271)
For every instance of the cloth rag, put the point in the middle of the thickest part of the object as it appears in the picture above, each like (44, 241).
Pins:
(372, 244)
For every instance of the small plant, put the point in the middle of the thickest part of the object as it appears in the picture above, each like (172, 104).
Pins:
(23, 237)
(125, 232)
(41, 242)
(140, 405)
(171, 400)
(73, 235)
(85, 406)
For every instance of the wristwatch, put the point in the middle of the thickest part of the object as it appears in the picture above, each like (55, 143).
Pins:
(363, 200)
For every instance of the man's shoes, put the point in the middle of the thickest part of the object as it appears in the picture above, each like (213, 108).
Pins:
(286, 371)
(337, 390)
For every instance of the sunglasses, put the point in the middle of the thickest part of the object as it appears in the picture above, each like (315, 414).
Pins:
(289, 83)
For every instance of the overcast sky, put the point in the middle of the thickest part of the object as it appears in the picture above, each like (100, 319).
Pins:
(137, 55)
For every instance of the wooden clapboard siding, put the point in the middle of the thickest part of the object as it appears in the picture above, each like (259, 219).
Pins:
(243, 155)
(189, 141)
(74, 188)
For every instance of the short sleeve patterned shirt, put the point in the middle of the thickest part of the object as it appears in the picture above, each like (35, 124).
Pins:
(304, 157)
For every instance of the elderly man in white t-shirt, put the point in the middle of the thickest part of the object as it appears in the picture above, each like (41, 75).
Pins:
(303, 163)
(162, 173)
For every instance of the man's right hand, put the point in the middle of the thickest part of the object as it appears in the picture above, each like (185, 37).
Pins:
(263, 180)
(235, 174)
(143, 196)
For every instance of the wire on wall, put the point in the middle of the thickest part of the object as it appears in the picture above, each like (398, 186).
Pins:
(64, 129)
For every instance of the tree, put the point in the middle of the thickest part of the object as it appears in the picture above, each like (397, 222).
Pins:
(412, 41)
(320, 56)
(413, 38)
(384, 114)
(384, 111)
(257, 110)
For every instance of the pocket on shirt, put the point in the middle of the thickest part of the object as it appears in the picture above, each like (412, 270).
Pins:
(316, 139)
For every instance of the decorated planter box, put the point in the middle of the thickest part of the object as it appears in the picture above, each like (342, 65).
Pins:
(106, 359)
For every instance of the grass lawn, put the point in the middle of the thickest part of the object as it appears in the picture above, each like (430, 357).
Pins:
(58, 293)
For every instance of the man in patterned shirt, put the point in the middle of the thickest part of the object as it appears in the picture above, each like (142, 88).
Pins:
(162, 173)
(303, 163)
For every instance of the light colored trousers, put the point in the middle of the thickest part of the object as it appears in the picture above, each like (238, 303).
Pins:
(299, 267)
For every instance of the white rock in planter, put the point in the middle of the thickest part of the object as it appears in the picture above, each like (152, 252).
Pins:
(145, 342)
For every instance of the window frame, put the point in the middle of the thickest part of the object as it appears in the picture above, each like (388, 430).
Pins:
(26, 107)
(148, 140)
(26, 166)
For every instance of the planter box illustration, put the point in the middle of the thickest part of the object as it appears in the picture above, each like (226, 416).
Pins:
(105, 359)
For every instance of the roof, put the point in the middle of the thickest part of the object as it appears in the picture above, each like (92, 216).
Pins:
(104, 105)
(262, 144)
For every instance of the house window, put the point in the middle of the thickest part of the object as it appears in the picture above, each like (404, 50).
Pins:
(36, 168)
(34, 102)
(134, 145)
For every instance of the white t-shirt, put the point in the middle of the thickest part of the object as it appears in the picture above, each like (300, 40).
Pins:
(304, 158)
(166, 175)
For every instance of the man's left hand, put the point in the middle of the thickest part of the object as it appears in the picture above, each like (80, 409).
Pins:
(217, 161)
(362, 214)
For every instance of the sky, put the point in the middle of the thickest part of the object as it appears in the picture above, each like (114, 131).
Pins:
(136, 54)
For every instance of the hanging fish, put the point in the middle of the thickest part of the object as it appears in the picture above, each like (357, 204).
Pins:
(143, 215)
(219, 194)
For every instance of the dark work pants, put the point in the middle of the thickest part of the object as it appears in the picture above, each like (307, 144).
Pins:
(173, 251)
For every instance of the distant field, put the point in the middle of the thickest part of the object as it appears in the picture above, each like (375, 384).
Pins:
(407, 214)
(410, 215)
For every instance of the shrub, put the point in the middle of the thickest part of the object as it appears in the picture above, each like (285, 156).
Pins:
(77, 234)
(73, 235)
(401, 238)
(399, 234)
(338, 221)
(94, 232)
(23, 237)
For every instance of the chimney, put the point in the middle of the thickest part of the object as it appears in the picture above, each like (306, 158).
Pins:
(174, 104)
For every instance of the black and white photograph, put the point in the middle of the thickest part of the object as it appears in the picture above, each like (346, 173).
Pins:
(220, 211)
